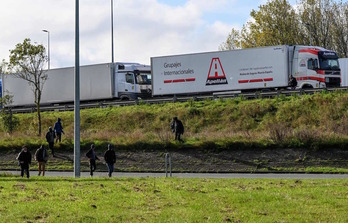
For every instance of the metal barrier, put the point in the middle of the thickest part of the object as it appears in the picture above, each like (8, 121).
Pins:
(168, 162)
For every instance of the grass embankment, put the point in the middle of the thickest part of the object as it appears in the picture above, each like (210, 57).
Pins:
(172, 200)
(308, 122)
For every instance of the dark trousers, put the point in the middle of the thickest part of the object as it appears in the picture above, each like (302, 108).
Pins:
(177, 136)
(110, 168)
(59, 136)
(51, 147)
(92, 166)
(25, 167)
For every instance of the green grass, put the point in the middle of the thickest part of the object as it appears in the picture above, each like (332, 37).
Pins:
(172, 200)
(308, 121)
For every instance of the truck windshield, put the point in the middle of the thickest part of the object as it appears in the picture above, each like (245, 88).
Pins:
(329, 64)
(143, 78)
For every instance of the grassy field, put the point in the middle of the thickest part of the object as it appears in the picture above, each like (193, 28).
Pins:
(172, 200)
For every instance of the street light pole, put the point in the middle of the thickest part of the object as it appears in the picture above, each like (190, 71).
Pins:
(112, 43)
(77, 95)
(48, 46)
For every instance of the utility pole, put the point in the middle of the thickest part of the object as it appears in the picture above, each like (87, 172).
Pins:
(112, 43)
(77, 173)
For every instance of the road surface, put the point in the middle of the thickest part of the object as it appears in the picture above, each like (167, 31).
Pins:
(193, 175)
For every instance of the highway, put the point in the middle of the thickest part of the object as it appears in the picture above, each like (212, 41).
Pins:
(160, 100)
(192, 175)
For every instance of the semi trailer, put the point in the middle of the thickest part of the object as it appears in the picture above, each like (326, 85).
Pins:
(344, 71)
(128, 81)
(245, 69)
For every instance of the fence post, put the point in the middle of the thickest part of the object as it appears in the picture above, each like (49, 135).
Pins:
(168, 162)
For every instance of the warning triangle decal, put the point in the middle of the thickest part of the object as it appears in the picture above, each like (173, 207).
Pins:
(216, 73)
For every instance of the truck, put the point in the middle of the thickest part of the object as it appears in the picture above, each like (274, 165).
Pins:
(344, 71)
(129, 81)
(245, 70)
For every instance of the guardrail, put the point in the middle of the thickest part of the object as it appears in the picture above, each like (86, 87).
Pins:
(159, 100)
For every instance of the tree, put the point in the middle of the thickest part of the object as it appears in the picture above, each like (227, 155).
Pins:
(317, 19)
(9, 121)
(232, 42)
(26, 62)
(275, 23)
(340, 29)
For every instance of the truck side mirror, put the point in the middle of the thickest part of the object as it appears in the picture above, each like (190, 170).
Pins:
(121, 67)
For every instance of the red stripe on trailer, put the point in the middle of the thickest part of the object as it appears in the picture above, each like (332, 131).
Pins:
(255, 80)
(178, 80)
(190, 79)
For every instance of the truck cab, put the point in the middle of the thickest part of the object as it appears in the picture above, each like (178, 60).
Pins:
(132, 81)
(315, 67)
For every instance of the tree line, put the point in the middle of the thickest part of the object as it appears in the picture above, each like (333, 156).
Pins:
(310, 22)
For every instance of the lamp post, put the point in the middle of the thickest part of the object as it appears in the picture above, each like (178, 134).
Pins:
(48, 46)
(112, 42)
(77, 173)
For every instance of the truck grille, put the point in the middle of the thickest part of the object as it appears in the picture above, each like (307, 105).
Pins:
(332, 81)
(334, 72)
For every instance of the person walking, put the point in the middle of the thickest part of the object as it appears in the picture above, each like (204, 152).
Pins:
(110, 159)
(293, 82)
(50, 136)
(58, 128)
(92, 159)
(41, 156)
(24, 159)
(177, 128)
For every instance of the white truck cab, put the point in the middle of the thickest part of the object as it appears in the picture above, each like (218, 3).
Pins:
(315, 67)
(132, 81)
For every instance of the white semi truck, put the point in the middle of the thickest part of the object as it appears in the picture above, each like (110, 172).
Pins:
(344, 71)
(246, 69)
(129, 81)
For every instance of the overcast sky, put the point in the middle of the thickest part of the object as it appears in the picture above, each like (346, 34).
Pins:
(142, 28)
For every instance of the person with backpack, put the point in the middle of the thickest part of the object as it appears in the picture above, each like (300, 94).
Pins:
(110, 159)
(24, 160)
(58, 128)
(50, 136)
(177, 128)
(41, 156)
(92, 156)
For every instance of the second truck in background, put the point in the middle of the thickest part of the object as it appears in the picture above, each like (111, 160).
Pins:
(129, 81)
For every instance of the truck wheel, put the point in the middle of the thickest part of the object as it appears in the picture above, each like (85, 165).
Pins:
(124, 98)
(307, 86)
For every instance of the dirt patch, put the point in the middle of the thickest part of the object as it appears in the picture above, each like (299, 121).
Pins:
(205, 160)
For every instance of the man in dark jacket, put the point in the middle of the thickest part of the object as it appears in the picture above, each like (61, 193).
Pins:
(24, 159)
(293, 82)
(177, 128)
(110, 159)
(58, 128)
(41, 156)
(50, 135)
(92, 158)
